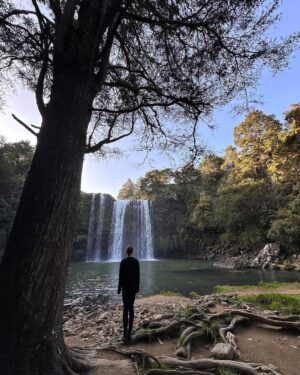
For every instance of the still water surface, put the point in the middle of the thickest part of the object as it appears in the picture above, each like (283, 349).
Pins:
(184, 276)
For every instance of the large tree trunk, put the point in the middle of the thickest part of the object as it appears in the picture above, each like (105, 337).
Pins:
(34, 268)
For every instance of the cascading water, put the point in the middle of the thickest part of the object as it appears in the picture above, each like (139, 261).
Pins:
(117, 228)
(90, 240)
(131, 224)
(97, 253)
(146, 235)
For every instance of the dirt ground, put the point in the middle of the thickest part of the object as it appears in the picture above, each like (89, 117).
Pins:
(274, 347)
(277, 348)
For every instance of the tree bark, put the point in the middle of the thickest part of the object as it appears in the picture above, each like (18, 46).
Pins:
(33, 271)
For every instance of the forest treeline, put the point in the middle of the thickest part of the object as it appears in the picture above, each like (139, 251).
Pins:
(250, 195)
(15, 159)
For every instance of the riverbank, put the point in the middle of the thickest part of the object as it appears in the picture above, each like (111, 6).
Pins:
(237, 256)
(93, 327)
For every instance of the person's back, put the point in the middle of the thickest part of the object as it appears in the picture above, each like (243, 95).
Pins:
(129, 279)
(129, 284)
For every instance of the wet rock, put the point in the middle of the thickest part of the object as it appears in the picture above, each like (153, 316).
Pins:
(266, 255)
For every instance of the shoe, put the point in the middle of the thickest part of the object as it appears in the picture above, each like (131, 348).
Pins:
(128, 337)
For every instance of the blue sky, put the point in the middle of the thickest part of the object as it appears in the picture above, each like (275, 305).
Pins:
(108, 176)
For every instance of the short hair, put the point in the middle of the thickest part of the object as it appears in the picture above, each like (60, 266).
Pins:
(129, 250)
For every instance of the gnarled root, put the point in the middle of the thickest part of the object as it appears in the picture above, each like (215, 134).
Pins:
(176, 372)
(284, 323)
(147, 333)
(185, 341)
(77, 360)
(228, 337)
(242, 368)
(141, 356)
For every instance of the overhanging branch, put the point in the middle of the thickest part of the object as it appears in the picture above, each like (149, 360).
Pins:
(25, 125)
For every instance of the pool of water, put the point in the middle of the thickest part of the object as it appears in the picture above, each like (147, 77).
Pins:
(183, 276)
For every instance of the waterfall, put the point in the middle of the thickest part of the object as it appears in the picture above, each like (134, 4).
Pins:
(146, 228)
(90, 240)
(117, 228)
(131, 225)
(97, 253)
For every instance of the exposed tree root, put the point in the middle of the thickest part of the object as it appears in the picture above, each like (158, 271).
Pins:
(81, 360)
(77, 361)
(141, 355)
(291, 318)
(176, 372)
(243, 368)
(227, 337)
(147, 333)
(285, 323)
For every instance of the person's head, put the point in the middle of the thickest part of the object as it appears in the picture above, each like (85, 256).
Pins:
(129, 251)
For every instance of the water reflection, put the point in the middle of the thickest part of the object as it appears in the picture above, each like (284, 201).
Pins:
(91, 279)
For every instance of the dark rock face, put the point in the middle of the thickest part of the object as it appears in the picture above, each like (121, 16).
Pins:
(81, 238)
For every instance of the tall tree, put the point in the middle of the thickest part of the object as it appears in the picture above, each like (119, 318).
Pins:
(257, 139)
(154, 183)
(285, 166)
(128, 190)
(124, 67)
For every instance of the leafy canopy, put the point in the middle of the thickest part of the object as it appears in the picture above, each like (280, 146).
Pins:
(145, 62)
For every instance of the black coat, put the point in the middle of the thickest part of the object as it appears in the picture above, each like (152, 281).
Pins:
(129, 276)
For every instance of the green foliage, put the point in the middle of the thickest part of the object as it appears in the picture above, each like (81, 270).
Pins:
(169, 293)
(188, 312)
(244, 197)
(261, 286)
(211, 329)
(15, 159)
(285, 166)
(257, 138)
(286, 227)
(211, 171)
(287, 304)
(194, 294)
(155, 183)
(244, 212)
(203, 213)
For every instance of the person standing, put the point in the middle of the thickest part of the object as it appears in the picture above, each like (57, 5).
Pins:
(129, 284)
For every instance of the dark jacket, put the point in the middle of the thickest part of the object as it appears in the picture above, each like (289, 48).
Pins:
(129, 276)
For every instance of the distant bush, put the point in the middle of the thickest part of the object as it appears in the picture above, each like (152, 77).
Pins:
(169, 293)
(287, 304)
(194, 294)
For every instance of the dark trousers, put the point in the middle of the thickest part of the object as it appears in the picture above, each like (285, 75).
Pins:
(128, 311)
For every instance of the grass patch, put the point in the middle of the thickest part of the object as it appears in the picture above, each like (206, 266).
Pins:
(226, 371)
(194, 295)
(211, 330)
(261, 286)
(169, 293)
(286, 304)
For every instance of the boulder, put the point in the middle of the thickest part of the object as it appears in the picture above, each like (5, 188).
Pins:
(266, 255)
(223, 351)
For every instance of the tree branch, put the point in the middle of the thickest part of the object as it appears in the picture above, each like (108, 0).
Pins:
(25, 125)
(108, 140)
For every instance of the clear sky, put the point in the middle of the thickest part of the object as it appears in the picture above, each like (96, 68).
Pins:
(108, 176)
